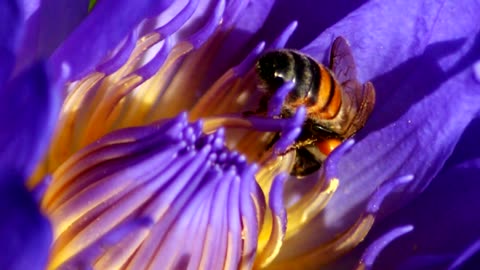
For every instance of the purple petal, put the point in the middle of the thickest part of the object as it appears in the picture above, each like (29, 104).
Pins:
(275, 103)
(11, 26)
(241, 40)
(445, 219)
(476, 69)
(178, 20)
(108, 23)
(378, 245)
(39, 190)
(379, 45)
(414, 127)
(284, 37)
(464, 150)
(462, 259)
(120, 58)
(203, 34)
(150, 68)
(48, 23)
(249, 60)
(384, 190)
(313, 18)
(28, 111)
(25, 233)
(86, 258)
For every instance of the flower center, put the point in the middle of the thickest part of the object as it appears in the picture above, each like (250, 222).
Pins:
(134, 188)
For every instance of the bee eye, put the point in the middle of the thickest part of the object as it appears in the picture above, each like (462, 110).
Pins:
(321, 131)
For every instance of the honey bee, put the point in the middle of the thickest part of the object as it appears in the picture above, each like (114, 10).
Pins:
(337, 104)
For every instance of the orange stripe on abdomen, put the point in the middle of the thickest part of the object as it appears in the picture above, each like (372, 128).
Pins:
(329, 96)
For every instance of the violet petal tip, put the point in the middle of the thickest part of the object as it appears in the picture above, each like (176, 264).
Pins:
(476, 71)
(384, 190)
(375, 248)
(469, 252)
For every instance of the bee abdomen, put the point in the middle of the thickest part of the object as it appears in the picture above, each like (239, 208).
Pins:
(328, 95)
(307, 79)
(314, 85)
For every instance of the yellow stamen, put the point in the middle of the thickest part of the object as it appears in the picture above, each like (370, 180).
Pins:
(270, 240)
(310, 205)
(230, 94)
(146, 107)
(267, 172)
(329, 251)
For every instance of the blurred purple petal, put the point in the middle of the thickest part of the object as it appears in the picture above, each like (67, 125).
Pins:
(11, 28)
(476, 68)
(121, 56)
(313, 18)
(11, 23)
(205, 32)
(28, 110)
(374, 249)
(242, 37)
(426, 83)
(464, 150)
(108, 23)
(380, 45)
(445, 219)
(48, 23)
(284, 37)
(464, 259)
(25, 233)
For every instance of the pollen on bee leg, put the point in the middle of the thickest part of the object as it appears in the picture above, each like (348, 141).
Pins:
(348, 239)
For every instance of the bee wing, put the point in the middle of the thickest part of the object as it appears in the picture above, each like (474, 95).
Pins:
(364, 100)
(341, 61)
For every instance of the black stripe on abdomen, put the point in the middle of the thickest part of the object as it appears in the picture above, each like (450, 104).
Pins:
(303, 76)
(315, 82)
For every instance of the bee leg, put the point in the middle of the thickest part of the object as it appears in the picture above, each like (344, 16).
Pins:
(305, 163)
(275, 138)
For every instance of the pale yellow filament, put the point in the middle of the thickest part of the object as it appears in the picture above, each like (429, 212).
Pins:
(270, 240)
(310, 205)
(328, 251)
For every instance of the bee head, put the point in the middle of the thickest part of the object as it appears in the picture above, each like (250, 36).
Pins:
(275, 68)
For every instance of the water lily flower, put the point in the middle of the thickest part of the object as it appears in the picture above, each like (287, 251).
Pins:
(151, 163)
